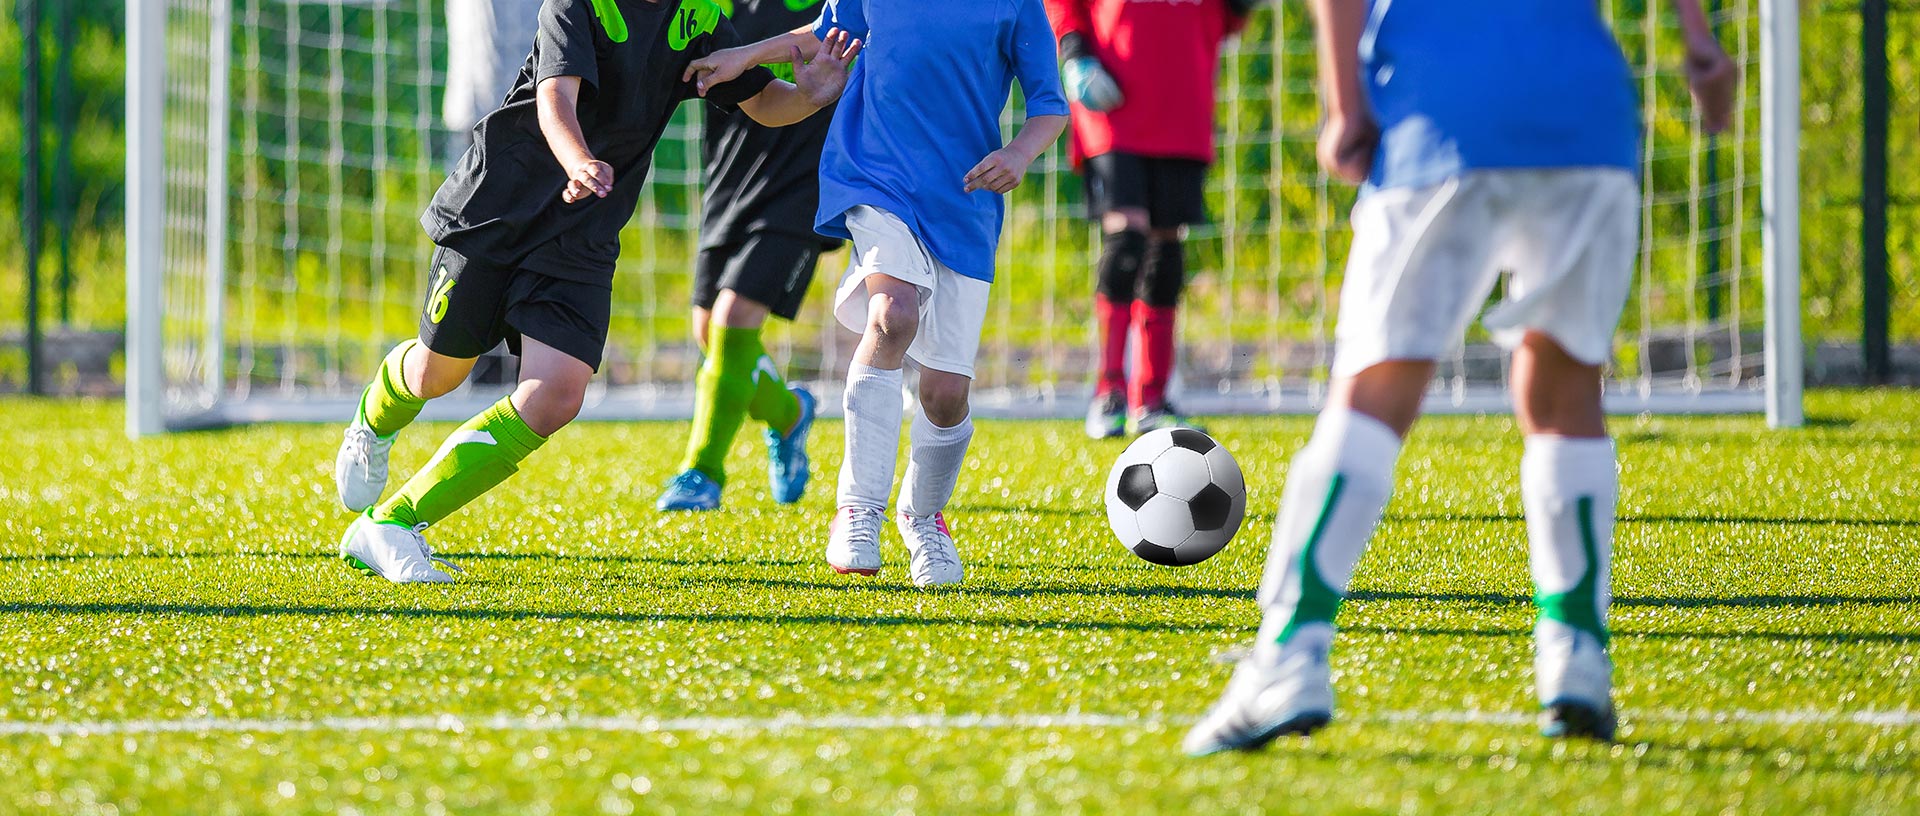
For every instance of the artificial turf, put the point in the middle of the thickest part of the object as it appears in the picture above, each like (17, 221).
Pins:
(1766, 631)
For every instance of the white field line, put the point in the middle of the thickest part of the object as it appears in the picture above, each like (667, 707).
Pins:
(449, 723)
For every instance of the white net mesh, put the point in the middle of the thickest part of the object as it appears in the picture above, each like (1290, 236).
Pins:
(333, 146)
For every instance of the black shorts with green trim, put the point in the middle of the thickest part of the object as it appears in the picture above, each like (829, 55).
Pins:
(769, 268)
(472, 306)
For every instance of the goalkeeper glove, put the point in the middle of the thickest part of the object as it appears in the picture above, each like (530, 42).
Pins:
(1090, 85)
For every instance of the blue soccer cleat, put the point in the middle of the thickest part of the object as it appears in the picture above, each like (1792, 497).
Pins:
(691, 490)
(787, 466)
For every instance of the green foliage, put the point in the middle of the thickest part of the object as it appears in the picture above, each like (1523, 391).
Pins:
(193, 576)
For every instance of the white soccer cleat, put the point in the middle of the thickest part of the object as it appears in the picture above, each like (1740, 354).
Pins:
(853, 545)
(1274, 692)
(936, 561)
(393, 552)
(1574, 680)
(360, 469)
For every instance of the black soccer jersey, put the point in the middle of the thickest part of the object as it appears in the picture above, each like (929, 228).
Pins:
(502, 202)
(762, 179)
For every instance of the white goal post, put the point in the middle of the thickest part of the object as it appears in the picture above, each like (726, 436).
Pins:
(280, 151)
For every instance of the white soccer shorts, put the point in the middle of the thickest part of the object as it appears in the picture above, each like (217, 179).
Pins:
(953, 307)
(1425, 260)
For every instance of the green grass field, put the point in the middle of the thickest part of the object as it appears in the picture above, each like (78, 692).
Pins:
(176, 635)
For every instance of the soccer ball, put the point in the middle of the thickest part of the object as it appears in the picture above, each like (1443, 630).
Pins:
(1175, 497)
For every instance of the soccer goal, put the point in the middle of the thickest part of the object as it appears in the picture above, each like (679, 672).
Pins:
(279, 153)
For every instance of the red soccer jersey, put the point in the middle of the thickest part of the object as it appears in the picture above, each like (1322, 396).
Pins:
(1165, 55)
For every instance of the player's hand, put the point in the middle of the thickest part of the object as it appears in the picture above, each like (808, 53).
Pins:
(590, 178)
(822, 80)
(1715, 80)
(1346, 146)
(1089, 84)
(1000, 171)
(717, 68)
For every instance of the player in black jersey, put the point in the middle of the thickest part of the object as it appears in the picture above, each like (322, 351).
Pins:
(757, 255)
(528, 229)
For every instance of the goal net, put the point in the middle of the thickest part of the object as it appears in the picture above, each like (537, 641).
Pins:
(281, 151)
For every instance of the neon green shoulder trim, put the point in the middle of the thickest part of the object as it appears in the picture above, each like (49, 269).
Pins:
(611, 19)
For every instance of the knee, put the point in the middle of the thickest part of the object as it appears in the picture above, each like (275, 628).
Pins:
(1122, 253)
(1124, 219)
(547, 406)
(438, 379)
(945, 401)
(736, 312)
(893, 319)
(1565, 410)
(1166, 272)
(702, 320)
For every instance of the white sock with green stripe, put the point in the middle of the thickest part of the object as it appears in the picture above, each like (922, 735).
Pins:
(1569, 487)
(1337, 488)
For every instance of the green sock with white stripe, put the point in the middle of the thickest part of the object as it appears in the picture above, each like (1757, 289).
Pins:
(1336, 489)
(1570, 487)
(476, 458)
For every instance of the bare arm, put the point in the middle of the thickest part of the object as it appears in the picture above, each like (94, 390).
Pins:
(817, 83)
(728, 64)
(558, 101)
(1003, 169)
(1348, 138)
(1714, 77)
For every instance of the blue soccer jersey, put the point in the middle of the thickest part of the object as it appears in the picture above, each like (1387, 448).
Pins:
(922, 107)
(1489, 84)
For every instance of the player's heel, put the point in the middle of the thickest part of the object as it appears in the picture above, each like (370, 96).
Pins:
(356, 564)
(346, 548)
(1563, 719)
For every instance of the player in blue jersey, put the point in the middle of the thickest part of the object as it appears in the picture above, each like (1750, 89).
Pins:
(913, 174)
(1497, 137)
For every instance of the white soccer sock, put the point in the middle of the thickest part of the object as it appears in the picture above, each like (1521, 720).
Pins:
(1569, 487)
(1337, 488)
(873, 416)
(933, 465)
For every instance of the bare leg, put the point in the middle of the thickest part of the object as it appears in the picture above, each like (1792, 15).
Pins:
(552, 387)
(1569, 485)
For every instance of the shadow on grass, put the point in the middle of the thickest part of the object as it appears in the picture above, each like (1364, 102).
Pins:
(314, 610)
(1255, 520)
(1618, 634)
(1660, 601)
(1170, 592)
(637, 560)
(1669, 518)
(1657, 755)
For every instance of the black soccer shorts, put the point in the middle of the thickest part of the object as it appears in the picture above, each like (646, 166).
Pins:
(768, 268)
(471, 306)
(1172, 191)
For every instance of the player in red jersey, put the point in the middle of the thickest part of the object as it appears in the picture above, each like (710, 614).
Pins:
(1140, 75)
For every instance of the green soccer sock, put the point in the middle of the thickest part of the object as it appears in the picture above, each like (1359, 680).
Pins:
(477, 457)
(388, 405)
(772, 403)
(725, 393)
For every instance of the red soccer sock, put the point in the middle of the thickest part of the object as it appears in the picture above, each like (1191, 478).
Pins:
(1153, 356)
(1115, 320)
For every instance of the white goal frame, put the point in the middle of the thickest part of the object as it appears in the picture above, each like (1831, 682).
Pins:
(151, 409)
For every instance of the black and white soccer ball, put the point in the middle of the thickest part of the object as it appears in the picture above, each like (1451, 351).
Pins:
(1176, 497)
